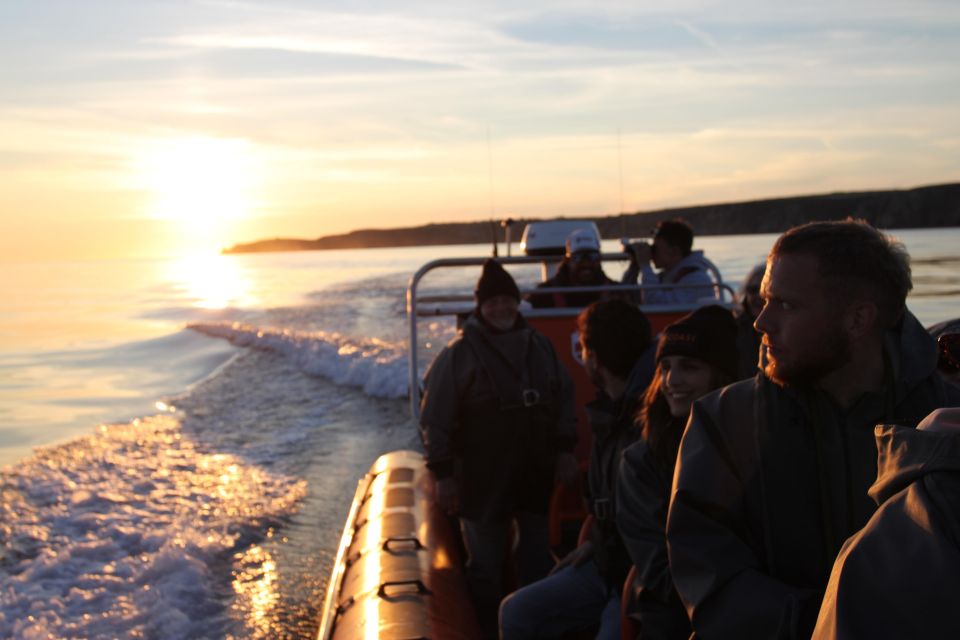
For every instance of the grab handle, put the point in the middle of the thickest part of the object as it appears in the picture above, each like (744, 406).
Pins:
(417, 545)
(418, 584)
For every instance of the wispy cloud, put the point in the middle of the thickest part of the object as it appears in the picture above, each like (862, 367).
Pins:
(386, 109)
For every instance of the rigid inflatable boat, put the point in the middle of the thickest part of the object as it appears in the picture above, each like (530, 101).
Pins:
(399, 568)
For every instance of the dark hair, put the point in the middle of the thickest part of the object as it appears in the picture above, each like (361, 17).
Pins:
(677, 232)
(857, 261)
(661, 430)
(617, 332)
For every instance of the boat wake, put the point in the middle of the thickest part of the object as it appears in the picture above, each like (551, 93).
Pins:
(376, 366)
(118, 534)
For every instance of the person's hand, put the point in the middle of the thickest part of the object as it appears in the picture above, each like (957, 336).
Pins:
(567, 470)
(447, 496)
(575, 558)
(942, 421)
(640, 252)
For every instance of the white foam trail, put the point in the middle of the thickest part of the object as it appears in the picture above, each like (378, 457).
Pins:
(376, 366)
(119, 534)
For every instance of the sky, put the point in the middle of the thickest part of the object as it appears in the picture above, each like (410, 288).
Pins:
(156, 128)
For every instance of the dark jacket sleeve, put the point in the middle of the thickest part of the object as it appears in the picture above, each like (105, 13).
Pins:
(909, 548)
(438, 411)
(643, 491)
(717, 568)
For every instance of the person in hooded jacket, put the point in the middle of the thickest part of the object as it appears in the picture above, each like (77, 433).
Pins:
(583, 590)
(498, 427)
(899, 576)
(695, 355)
(773, 472)
(677, 263)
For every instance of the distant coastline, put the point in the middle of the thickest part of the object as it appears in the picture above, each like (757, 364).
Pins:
(921, 207)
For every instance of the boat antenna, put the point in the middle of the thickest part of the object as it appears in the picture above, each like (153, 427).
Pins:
(506, 224)
(490, 172)
(623, 213)
(493, 236)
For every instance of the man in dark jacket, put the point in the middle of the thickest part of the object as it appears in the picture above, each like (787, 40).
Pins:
(498, 426)
(773, 472)
(899, 576)
(581, 267)
(583, 590)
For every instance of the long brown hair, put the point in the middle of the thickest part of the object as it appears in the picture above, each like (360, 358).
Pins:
(658, 426)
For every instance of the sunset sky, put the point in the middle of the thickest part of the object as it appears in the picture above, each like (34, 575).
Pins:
(145, 128)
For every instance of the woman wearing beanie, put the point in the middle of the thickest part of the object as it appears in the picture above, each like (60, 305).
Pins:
(696, 355)
(497, 422)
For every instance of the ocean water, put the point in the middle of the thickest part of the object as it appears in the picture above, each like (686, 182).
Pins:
(180, 439)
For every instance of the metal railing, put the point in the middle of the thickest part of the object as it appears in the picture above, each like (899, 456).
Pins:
(723, 292)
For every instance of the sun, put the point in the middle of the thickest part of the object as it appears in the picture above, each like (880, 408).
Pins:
(204, 182)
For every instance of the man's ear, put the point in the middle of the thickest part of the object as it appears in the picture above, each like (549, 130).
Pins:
(860, 318)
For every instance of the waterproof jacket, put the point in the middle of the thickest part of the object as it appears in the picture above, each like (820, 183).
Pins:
(910, 547)
(497, 408)
(574, 298)
(613, 427)
(643, 496)
(769, 483)
(694, 269)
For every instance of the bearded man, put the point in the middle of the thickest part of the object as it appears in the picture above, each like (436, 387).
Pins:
(773, 472)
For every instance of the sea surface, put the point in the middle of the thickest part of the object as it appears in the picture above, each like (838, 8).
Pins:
(180, 439)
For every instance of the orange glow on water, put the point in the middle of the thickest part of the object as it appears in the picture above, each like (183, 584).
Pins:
(211, 281)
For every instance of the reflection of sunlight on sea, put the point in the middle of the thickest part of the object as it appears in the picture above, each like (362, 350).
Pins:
(211, 281)
(255, 584)
(115, 534)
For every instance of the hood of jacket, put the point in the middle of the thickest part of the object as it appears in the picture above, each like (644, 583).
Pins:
(913, 355)
(906, 454)
(694, 260)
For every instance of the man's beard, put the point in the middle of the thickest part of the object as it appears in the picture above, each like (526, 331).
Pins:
(834, 353)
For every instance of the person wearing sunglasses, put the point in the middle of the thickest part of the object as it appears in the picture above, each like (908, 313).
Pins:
(580, 268)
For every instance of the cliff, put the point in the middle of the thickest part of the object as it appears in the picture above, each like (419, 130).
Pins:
(933, 206)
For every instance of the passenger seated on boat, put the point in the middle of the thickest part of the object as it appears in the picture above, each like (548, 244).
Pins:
(773, 472)
(899, 576)
(583, 590)
(673, 255)
(580, 268)
(748, 338)
(498, 426)
(696, 354)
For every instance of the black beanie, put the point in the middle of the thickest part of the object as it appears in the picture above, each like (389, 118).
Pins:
(709, 333)
(495, 281)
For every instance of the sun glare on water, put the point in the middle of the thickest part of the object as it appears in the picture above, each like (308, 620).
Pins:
(211, 281)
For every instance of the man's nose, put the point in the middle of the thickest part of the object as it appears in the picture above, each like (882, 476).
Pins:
(762, 322)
